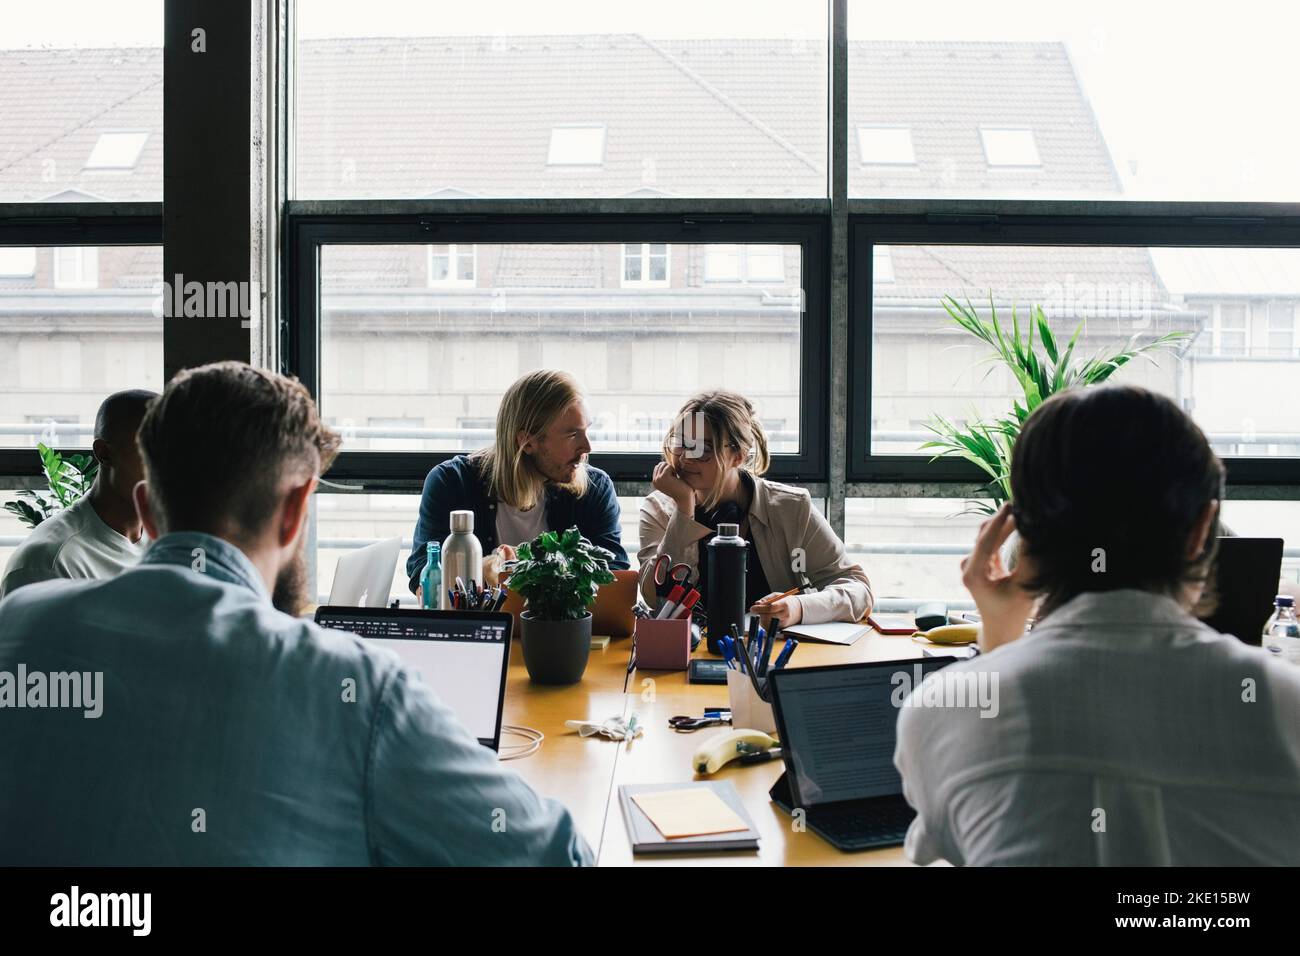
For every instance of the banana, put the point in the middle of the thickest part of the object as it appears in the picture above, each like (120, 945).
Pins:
(722, 748)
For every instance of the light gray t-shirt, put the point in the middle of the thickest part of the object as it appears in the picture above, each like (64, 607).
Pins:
(74, 543)
(1122, 731)
(515, 527)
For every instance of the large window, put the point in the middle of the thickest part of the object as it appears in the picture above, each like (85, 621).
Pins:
(643, 197)
(515, 98)
(401, 364)
(606, 313)
(1223, 350)
(924, 365)
(1112, 99)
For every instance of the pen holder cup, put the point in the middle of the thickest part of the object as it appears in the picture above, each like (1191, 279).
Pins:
(663, 645)
(748, 710)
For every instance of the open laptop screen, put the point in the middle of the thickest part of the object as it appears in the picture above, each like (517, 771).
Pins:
(462, 656)
(837, 727)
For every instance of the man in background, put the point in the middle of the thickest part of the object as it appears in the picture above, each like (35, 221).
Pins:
(99, 535)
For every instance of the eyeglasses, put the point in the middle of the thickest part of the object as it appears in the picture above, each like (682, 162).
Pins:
(701, 451)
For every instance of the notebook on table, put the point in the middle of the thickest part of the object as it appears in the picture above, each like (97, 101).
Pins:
(721, 811)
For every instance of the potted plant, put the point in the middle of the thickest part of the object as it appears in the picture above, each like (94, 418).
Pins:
(988, 443)
(69, 480)
(558, 574)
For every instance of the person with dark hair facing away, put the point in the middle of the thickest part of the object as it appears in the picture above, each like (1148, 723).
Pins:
(226, 732)
(99, 535)
(1119, 730)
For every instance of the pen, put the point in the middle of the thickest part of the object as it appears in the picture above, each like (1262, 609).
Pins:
(786, 652)
(777, 597)
(770, 643)
(762, 756)
(728, 659)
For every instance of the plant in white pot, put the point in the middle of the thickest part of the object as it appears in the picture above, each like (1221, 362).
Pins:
(558, 574)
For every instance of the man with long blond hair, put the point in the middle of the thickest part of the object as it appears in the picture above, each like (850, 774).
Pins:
(534, 477)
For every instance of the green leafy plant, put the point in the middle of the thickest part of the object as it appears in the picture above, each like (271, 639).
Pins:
(559, 574)
(68, 480)
(987, 443)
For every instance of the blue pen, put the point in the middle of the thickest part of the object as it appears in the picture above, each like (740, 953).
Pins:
(760, 638)
(786, 653)
(725, 646)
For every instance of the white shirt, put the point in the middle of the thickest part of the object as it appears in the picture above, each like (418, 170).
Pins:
(73, 543)
(515, 526)
(1126, 733)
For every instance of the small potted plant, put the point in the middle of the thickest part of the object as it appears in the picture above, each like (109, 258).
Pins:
(558, 574)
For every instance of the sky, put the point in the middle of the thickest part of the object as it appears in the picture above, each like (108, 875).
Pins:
(1196, 99)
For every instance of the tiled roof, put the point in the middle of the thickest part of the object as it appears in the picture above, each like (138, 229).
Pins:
(419, 116)
(54, 104)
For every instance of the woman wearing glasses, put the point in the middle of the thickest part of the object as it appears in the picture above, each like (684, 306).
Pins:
(714, 456)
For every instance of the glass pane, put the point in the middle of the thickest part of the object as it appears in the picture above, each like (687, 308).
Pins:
(345, 523)
(81, 101)
(912, 548)
(69, 340)
(404, 99)
(1023, 99)
(1240, 389)
(394, 348)
(466, 259)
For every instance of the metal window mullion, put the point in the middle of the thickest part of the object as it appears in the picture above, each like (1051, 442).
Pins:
(836, 418)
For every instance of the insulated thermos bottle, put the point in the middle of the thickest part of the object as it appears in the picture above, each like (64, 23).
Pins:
(462, 556)
(725, 602)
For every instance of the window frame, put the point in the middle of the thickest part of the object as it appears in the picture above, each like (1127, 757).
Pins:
(309, 225)
(1039, 223)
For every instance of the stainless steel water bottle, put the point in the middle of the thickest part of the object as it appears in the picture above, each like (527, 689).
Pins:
(462, 556)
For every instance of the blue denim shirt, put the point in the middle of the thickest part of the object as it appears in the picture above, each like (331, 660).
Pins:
(456, 485)
(231, 733)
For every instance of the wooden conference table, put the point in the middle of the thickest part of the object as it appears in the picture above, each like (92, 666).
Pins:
(584, 773)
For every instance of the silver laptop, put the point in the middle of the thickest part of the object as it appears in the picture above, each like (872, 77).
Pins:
(364, 578)
(463, 656)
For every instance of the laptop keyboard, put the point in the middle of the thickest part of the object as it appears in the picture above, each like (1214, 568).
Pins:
(863, 825)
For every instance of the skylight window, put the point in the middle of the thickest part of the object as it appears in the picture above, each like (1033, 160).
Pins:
(1010, 147)
(117, 150)
(890, 145)
(577, 146)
